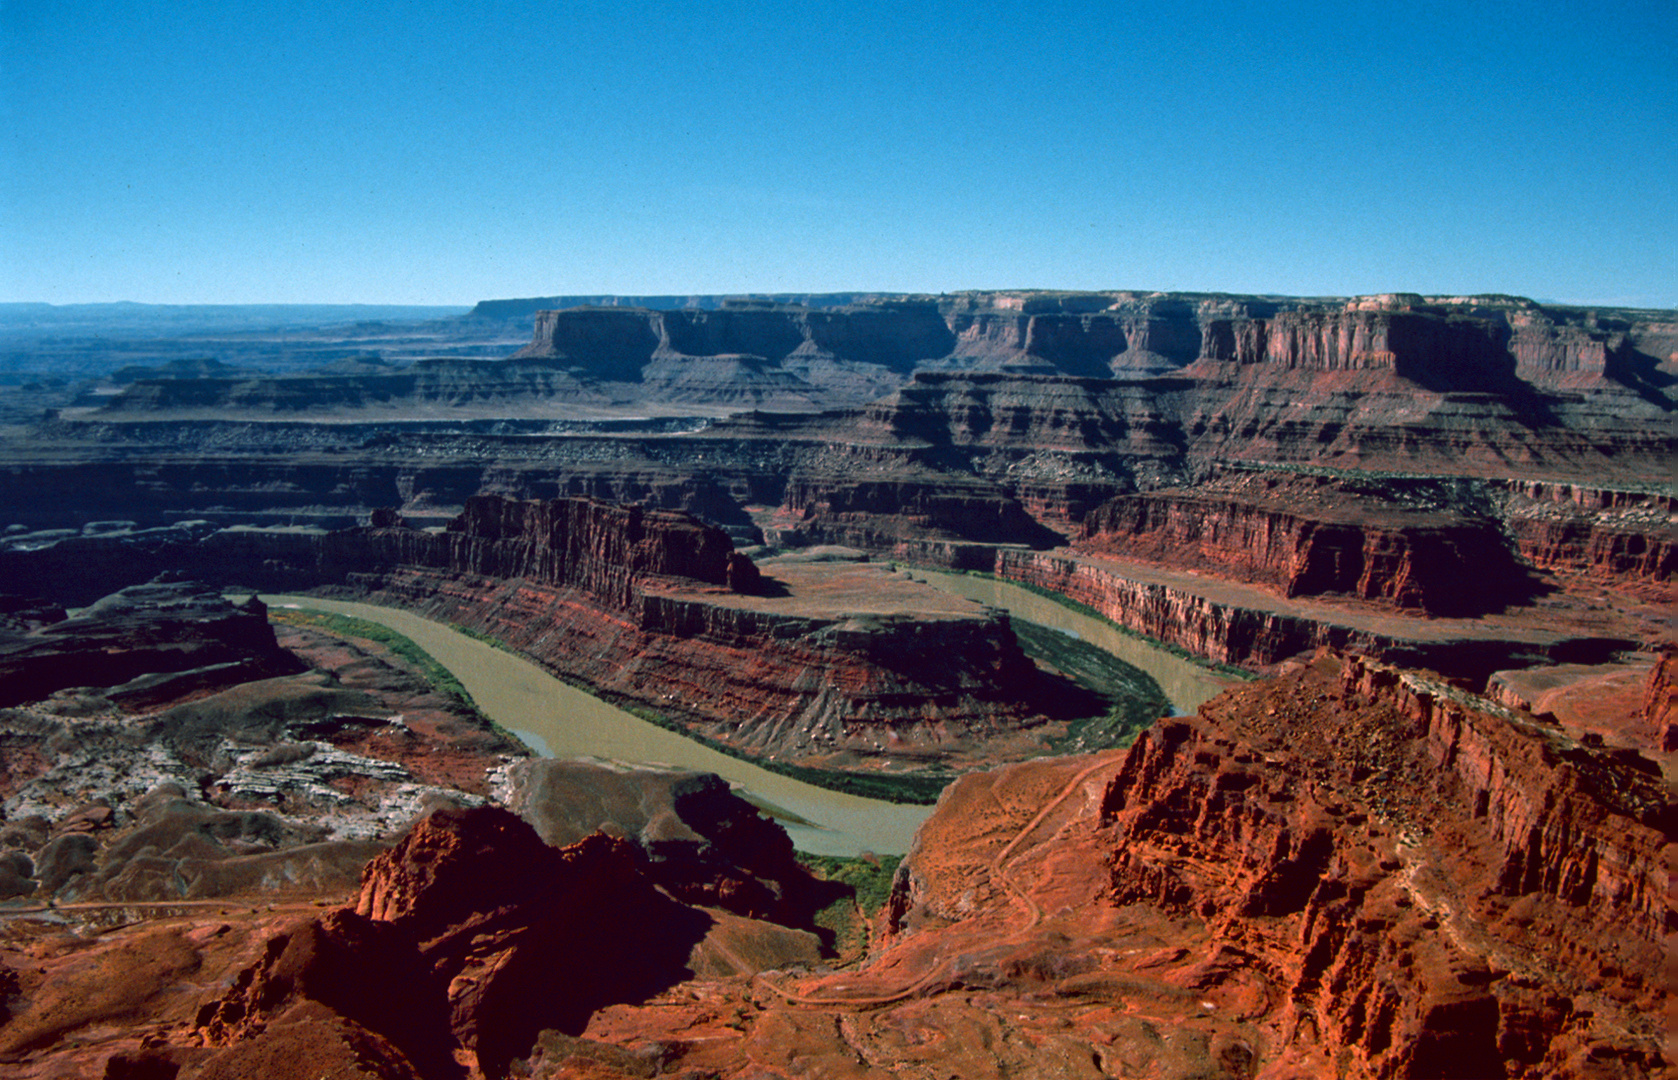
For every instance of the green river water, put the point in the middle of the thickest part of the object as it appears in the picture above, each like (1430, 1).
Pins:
(559, 720)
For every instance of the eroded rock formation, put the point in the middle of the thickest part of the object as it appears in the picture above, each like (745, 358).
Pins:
(847, 663)
(1350, 870)
(141, 642)
(1307, 537)
(1462, 891)
(702, 843)
(176, 787)
(598, 548)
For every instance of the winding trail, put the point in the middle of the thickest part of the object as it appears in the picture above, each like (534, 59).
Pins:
(999, 874)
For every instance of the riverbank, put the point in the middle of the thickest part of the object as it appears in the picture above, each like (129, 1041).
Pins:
(559, 720)
(1187, 683)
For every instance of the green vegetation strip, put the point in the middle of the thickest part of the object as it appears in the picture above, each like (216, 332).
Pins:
(867, 884)
(1133, 699)
(1088, 612)
(404, 648)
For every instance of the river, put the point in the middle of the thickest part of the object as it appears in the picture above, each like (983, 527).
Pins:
(558, 720)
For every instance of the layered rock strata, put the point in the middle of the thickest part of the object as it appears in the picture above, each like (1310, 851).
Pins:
(1429, 885)
(1608, 535)
(655, 608)
(1350, 870)
(145, 640)
(1313, 539)
(1237, 625)
(892, 689)
(1383, 382)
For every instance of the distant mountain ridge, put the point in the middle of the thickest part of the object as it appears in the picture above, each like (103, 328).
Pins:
(169, 319)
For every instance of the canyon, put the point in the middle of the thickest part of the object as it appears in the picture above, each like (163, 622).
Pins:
(1347, 869)
(1428, 840)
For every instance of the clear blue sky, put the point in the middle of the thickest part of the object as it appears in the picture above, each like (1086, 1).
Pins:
(175, 152)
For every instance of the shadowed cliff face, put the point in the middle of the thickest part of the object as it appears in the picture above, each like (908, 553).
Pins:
(1312, 536)
(182, 630)
(613, 344)
(790, 356)
(1460, 353)
(598, 547)
(469, 938)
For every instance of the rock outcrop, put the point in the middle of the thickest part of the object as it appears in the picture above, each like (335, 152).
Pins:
(1660, 701)
(656, 608)
(839, 690)
(1439, 352)
(702, 843)
(1620, 536)
(142, 641)
(469, 938)
(601, 549)
(1305, 538)
(1349, 870)
(614, 343)
(1431, 885)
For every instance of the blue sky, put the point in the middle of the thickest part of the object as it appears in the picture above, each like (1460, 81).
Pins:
(443, 153)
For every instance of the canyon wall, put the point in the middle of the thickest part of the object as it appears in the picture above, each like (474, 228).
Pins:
(1438, 562)
(840, 690)
(1192, 616)
(614, 343)
(1623, 536)
(1430, 885)
(1443, 352)
(602, 549)
(654, 608)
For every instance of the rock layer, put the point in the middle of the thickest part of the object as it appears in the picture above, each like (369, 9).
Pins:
(654, 608)
(140, 641)
(1461, 891)
(1350, 870)
(1315, 538)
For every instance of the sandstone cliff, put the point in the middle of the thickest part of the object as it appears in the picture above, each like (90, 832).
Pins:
(1440, 352)
(1431, 886)
(613, 343)
(1350, 871)
(1626, 536)
(1305, 537)
(599, 548)
(654, 608)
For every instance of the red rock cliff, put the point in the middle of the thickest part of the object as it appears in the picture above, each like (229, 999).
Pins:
(615, 343)
(1573, 528)
(1431, 349)
(639, 604)
(599, 548)
(1332, 542)
(1431, 885)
